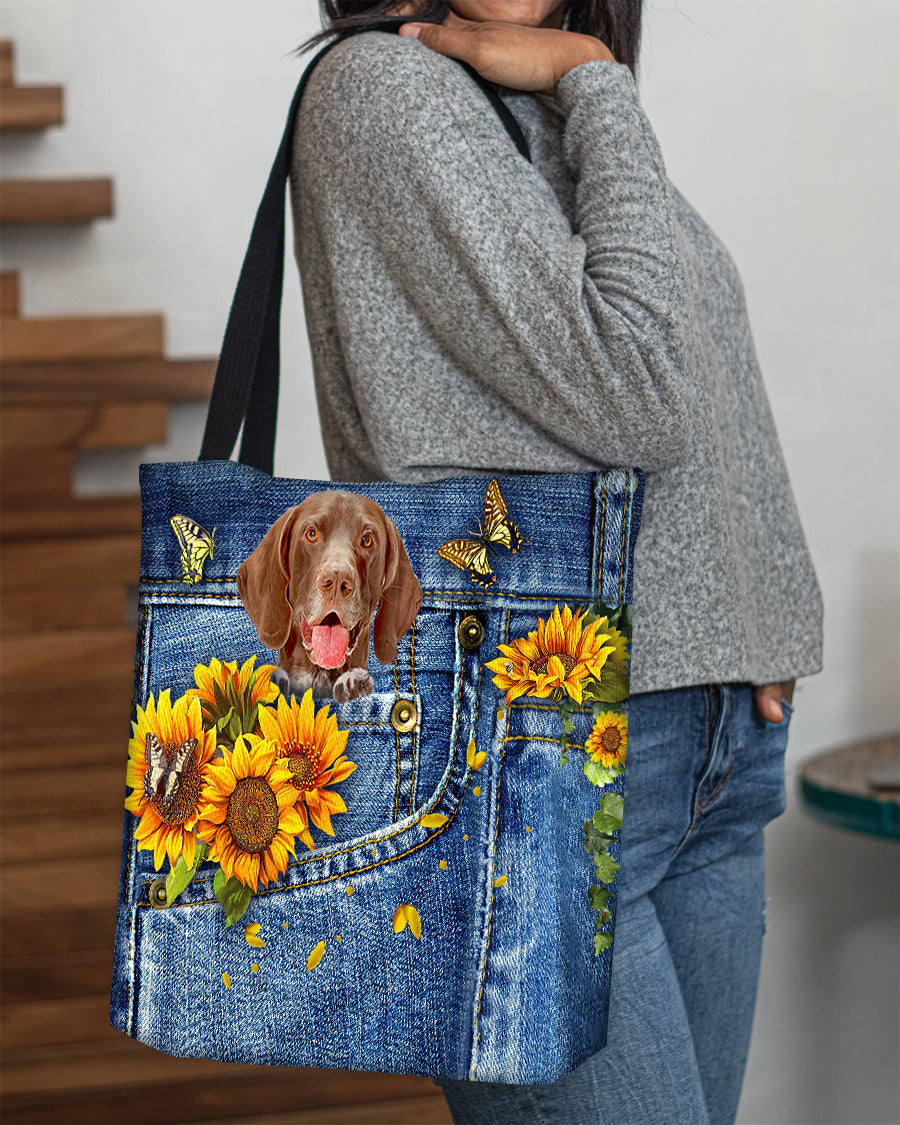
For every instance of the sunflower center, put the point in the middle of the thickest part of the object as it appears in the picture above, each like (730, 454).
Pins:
(252, 815)
(301, 761)
(611, 740)
(540, 665)
(183, 802)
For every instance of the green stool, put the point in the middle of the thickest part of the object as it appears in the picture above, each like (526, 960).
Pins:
(856, 786)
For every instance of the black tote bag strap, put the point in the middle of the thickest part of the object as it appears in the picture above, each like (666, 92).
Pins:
(245, 390)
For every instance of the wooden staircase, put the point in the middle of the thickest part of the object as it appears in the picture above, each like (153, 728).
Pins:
(69, 568)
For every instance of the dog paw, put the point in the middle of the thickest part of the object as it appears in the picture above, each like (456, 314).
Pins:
(283, 681)
(352, 684)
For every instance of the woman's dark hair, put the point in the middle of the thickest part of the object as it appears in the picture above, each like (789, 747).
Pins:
(616, 22)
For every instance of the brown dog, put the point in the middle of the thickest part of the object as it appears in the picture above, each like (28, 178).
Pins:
(312, 585)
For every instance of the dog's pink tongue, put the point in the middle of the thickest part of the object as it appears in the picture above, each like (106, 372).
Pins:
(329, 644)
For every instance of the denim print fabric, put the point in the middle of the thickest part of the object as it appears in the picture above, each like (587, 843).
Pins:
(444, 928)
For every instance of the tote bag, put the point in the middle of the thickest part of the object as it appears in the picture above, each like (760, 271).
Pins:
(375, 773)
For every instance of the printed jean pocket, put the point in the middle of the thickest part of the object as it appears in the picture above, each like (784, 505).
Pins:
(215, 741)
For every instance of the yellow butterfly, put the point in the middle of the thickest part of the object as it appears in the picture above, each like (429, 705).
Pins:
(196, 547)
(498, 529)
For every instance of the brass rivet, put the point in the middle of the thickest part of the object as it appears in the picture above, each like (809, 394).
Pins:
(403, 715)
(471, 632)
(158, 893)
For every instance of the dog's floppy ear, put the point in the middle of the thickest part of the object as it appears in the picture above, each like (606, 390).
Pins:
(262, 581)
(400, 600)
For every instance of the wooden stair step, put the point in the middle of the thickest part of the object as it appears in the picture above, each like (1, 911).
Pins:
(89, 789)
(60, 702)
(35, 977)
(50, 933)
(61, 883)
(77, 516)
(36, 565)
(146, 1106)
(98, 743)
(101, 607)
(115, 425)
(6, 62)
(64, 339)
(122, 1061)
(29, 477)
(164, 380)
(36, 837)
(70, 200)
(30, 107)
(9, 293)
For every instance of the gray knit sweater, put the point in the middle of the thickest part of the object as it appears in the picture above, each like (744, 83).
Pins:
(469, 312)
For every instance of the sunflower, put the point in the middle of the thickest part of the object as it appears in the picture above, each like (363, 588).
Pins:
(310, 744)
(247, 813)
(225, 691)
(620, 653)
(167, 826)
(608, 739)
(557, 658)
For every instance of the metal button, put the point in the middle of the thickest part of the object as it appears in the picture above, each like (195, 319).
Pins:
(158, 893)
(471, 632)
(403, 715)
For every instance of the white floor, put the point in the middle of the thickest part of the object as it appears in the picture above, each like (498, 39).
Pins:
(826, 1038)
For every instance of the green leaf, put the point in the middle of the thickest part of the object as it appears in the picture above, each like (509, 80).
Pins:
(219, 696)
(598, 774)
(598, 897)
(568, 725)
(614, 804)
(606, 867)
(252, 719)
(605, 822)
(601, 942)
(225, 719)
(233, 895)
(179, 877)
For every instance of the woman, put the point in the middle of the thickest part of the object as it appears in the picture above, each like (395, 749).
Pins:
(470, 312)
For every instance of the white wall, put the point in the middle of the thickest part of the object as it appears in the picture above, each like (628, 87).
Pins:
(778, 119)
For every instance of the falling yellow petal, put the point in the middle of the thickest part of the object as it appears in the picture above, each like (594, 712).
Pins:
(349, 890)
(316, 956)
(476, 761)
(251, 935)
(404, 915)
(527, 827)
(443, 864)
(254, 967)
(477, 790)
(227, 979)
(433, 820)
(499, 882)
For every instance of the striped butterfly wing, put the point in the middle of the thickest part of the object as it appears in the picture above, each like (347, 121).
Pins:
(471, 554)
(498, 527)
(196, 546)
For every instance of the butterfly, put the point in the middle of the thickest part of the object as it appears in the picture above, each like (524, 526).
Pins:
(498, 530)
(196, 547)
(160, 771)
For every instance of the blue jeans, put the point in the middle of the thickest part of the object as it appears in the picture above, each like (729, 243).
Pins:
(705, 775)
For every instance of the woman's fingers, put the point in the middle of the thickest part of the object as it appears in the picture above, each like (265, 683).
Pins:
(768, 699)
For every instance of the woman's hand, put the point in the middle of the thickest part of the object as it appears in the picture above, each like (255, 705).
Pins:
(510, 54)
(768, 699)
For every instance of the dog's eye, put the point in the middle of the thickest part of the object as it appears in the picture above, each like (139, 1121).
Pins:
(367, 539)
(311, 534)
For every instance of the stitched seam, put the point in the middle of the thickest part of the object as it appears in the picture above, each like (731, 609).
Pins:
(396, 743)
(468, 597)
(415, 742)
(625, 517)
(718, 789)
(602, 548)
(493, 867)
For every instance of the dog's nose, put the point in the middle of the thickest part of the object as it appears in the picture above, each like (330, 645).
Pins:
(337, 580)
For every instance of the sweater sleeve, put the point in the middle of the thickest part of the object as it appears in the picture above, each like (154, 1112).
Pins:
(580, 328)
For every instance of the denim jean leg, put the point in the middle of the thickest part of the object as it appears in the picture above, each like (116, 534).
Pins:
(712, 920)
